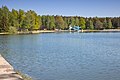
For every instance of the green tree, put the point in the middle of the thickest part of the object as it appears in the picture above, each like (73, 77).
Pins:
(59, 22)
(21, 20)
(115, 22)
(98, 24)
(25, 23)
(37, 23)
(76, 21)
(27, 20)
(1, 27)
(52, 23)
(68, 22)
(91, 25)
(48, 22)
(12, 30)
(4, 19)
(66, 25)
(43, 18)
(40, 21)
(105, 24)
(14, 19)
(109, 24)
(118, 22)
(32, 20)
(87, 24)
(82, 23)
(21, 16)
(72, 21)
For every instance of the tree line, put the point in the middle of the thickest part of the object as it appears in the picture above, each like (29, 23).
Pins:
(19, 20)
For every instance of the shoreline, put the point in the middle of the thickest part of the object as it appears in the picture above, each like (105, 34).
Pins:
(28, 32)
(53, 31)
(105, 30)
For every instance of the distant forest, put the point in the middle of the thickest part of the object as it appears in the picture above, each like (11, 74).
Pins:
(20, 20)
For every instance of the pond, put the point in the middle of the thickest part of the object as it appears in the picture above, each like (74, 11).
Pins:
(64, 56)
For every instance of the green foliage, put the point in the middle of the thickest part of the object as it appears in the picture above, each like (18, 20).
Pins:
(32, 20)
(52, 23)
(12, 30)
(59, 22)
(91, 25)
(72, 21)
(13, 20)
(82, 23)
(43, 18)
(76, 21)
(22, 21)
(0, 19)
(48, 22)
(87, 24)
(28, 20)
(21, 16)
(98, 24)
(4, 19)
(118, 22)
(109, 24)
(66, 23)
(39, 21)
(105, 24)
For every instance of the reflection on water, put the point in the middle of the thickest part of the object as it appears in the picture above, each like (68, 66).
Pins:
(64, 56)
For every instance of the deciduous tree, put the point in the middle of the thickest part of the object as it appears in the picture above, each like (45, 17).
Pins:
(109, 24)
(59, 22)
(82, 23)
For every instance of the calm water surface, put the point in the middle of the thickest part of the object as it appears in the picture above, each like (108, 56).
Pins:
(64, 56)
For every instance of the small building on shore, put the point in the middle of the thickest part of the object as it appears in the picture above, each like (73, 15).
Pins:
(74, 28)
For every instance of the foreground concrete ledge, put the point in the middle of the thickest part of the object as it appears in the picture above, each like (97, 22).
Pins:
(7, 71)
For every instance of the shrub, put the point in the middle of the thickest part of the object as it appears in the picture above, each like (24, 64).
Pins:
(12, 30)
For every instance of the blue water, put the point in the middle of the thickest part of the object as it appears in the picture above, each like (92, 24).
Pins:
(64, 56)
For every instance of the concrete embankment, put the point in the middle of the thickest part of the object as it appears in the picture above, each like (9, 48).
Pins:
(7, 71)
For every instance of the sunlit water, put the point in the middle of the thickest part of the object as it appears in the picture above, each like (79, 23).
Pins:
(64, 56)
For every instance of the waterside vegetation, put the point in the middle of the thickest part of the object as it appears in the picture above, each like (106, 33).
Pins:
(19, 20)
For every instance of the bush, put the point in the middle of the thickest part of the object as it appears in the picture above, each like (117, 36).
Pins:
(12, 30)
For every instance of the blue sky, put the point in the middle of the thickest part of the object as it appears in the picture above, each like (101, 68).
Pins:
(86, 8)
